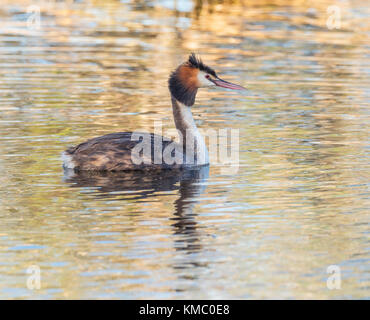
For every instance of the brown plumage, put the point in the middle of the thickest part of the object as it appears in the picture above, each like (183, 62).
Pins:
(112, 152)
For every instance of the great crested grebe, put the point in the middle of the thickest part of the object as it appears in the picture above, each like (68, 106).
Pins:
(142, 151)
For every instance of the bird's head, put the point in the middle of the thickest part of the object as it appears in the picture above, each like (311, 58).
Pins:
(191, 75)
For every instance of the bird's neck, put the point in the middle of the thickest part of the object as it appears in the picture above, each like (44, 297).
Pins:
(193, 141)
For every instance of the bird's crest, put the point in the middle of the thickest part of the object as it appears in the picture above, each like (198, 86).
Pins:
(196, 62)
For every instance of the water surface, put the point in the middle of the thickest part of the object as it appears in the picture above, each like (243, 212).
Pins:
(298, 203)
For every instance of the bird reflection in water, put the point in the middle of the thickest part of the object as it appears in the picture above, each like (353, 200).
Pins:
(140, 186)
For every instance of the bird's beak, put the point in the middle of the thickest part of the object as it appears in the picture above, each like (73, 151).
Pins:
(225, 84)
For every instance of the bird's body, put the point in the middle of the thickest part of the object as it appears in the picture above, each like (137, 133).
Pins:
(111, 152)
(146, 151)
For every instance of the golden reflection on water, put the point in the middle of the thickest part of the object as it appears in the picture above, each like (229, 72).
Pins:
(298, 203)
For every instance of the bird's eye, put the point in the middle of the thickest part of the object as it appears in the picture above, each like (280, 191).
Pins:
(207, 76)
